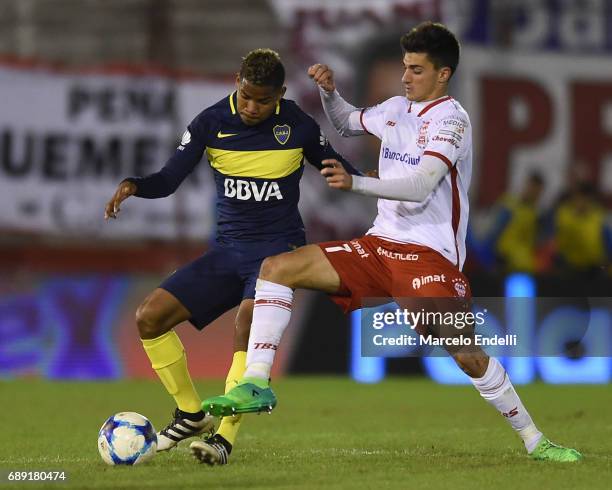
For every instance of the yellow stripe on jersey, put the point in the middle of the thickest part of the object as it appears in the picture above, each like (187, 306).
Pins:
(263, 164)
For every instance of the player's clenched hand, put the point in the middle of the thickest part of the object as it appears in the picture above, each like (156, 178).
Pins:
(323, 76)
(125, 190)
(336, 175)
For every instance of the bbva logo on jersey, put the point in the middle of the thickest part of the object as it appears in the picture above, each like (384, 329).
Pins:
(245, 190)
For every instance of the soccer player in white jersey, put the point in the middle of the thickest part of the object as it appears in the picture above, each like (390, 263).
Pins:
(416, 247)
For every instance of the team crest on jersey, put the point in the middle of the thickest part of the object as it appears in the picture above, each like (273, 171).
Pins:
(282, 133)
(422, 139)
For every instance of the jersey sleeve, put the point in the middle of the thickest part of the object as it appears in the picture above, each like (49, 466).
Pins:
(318, 148)
(178, 166)
(448, 138)
(373, 119)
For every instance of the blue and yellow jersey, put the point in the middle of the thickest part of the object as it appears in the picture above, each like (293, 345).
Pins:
(257, 169)
(580, 235)
(518, 228)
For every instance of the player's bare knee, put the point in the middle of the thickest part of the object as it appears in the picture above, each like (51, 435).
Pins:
(274, 269)
(148, 322)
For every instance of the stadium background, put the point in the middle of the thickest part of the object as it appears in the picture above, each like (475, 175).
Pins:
(94, 91)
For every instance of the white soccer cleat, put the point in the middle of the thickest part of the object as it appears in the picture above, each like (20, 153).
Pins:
(213, 451)
(183, 426)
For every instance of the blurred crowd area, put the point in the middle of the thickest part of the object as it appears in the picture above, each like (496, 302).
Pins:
(94, 91)
(569, 239)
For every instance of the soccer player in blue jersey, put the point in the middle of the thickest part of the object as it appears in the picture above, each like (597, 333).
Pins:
(255, 141)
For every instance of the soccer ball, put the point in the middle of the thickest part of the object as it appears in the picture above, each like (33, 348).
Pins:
(127, 438)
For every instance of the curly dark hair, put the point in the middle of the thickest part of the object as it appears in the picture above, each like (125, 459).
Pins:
(263, 67)
(434, 39)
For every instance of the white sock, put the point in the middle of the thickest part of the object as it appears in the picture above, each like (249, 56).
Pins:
(271, 316)
(496, 388)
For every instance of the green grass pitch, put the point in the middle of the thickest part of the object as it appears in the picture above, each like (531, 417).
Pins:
(326, 433)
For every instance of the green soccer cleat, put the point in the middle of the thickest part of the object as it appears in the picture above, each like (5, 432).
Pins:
(548, 451)
(246, 397)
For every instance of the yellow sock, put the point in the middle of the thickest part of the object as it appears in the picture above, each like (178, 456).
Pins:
(167, 356)
(228, 429)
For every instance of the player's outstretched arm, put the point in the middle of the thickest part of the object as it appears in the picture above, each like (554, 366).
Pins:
(176, 169)
(124, 190)
(416, 187)
(343, 116)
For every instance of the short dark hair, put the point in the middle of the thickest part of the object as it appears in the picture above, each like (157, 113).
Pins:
(263, 67)
(434, 39)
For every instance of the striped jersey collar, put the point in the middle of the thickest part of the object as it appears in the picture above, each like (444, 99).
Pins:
(420, 108)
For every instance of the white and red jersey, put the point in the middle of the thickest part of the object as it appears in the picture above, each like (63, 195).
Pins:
(408, 131)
